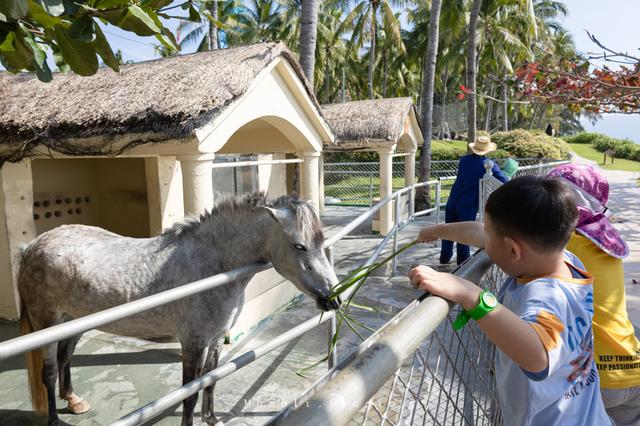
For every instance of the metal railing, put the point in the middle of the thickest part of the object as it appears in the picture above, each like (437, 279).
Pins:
(489, 183)
(414, 370)
(358, 183)
(68, 329)
(153, 409)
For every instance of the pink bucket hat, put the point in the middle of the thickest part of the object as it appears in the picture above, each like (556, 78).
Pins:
(592, 193)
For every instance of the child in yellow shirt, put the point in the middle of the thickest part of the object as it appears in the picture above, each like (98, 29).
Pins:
(601, 249)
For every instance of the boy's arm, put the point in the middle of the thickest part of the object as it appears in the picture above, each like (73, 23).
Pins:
(470, 233)
(514, 336)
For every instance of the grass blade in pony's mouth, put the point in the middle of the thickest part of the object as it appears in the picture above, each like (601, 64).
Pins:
(354, 280)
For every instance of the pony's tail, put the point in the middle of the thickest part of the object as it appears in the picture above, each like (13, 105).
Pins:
(35, 362)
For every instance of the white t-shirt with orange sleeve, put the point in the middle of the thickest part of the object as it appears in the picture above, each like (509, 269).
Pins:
(567, 392)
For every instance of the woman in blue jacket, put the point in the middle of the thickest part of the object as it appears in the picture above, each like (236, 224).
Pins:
(463, 199)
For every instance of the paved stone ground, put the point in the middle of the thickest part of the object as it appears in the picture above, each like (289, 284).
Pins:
(117, 374)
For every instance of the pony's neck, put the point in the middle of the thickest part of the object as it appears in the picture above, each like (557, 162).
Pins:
(238, 239)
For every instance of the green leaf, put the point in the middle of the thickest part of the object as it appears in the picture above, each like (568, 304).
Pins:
(70, 7)
(15, 53)
(53, 7)
(40, 16)
(193, 14)
(80, 56)
(104, 50)
(167, 40)
(156, 4)
(39, 60)
(57, 57)
(214, 21)
(12, 10)
(83, 29)
(140, 21)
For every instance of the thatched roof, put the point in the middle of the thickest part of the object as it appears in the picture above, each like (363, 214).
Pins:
(154, 101)
(364, 124)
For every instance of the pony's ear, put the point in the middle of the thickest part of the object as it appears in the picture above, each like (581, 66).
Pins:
(279, 215)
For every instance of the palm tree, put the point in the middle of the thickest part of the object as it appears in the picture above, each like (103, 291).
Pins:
(205, 34)
(308, 34)
(427, 100)
(471, 71)
(366, 28)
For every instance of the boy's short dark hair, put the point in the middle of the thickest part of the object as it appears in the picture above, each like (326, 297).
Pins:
(540, 210)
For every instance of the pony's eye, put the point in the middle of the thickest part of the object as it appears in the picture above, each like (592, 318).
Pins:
(300, 247)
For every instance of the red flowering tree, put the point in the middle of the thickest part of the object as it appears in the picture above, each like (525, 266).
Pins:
(583, 85)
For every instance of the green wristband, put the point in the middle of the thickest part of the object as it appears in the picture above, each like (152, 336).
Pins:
(488, 302)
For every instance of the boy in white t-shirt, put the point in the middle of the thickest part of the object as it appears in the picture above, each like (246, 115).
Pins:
(544, 366)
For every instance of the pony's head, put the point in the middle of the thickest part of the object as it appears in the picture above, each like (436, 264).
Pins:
(295, 242)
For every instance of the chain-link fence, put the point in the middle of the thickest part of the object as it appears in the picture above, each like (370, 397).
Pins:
(449, 380)
(415, 370)
(358, 183)
(488, 183)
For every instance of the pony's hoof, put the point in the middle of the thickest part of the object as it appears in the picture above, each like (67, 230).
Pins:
(79, 407)
(212, 420)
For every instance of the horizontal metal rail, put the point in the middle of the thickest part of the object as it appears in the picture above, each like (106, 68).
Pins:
(158, 406)
(254, 163)
(369, 213)
(341, 393)
(71, 328)
(37, 339)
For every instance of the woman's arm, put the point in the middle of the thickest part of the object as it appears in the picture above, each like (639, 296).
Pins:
(470, 233)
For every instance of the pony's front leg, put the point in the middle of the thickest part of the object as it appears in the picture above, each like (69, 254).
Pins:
(208, 414)
(193, 360)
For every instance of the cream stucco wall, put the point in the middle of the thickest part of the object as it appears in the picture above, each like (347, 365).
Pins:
(17, 229)
(109, 193)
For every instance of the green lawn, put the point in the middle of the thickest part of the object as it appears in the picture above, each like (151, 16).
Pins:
(589, 152)
(357, 190)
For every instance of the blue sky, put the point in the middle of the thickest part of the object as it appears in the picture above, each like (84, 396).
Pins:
(615, 23)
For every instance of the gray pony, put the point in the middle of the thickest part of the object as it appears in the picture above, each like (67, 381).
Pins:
(76, 270)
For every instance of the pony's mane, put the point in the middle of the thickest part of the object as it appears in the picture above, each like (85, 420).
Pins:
(307, 220)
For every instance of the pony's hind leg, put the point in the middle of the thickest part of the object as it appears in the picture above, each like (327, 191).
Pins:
(49, 376)
(208, 414)
(75, 404)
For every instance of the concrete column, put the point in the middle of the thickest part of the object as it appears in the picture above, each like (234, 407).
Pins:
(410, 168)
(197, 183)
(310, 172)
(321, 183)
(17, 230)
(164, 192)
(386, 187)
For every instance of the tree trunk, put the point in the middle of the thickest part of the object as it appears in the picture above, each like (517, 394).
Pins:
(372, 50)
(422, 197)
(213, 28)
(487, 118)
(385, 75)
(308, 34)
(443, 101)
(471, 71)
(505, 106)
(536, 108)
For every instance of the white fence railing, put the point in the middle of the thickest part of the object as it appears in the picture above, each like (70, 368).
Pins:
(447, 373)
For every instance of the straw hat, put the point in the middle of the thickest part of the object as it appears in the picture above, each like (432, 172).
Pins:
(482, 145)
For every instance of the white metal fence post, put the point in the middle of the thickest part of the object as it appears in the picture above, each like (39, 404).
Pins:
(332, 355)
(395, 233)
